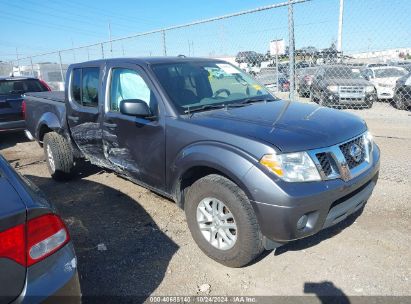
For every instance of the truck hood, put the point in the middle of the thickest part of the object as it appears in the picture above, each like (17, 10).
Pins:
(289, 126)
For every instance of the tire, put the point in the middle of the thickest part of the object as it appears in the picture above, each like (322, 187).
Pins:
(369, 104)
(312, 99)
(397, 101)
(59, 156)
(248, 238)
(322, 101)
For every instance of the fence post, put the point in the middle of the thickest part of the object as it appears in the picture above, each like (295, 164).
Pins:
(164, 43)
(102, 51)
(18, 61)
(291, 48)
(32, 67)
(61, 68)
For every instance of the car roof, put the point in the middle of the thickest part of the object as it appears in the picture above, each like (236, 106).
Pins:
(387, 67)
(150, 60)
(16, 78)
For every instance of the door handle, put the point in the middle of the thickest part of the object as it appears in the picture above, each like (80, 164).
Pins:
(73, 118)
(110, 125)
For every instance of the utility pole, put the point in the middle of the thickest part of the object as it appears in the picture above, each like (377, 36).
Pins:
(340, 26)
(291, 47)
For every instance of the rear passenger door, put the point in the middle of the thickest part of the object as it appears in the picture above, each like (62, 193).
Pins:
(83, 114)
(135, 146)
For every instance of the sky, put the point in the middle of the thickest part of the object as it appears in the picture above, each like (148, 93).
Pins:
(35, 26)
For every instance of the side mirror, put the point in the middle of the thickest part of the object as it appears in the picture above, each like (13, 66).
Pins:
(135, 107)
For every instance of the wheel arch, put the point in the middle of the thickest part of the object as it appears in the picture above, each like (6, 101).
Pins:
(201, 160)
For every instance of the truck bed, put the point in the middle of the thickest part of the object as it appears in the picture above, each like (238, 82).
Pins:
(54, 95)
(45, 108)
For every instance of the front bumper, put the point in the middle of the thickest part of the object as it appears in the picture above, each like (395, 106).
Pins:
(354, 100)
(385, 92)
(11, 126)
(280, 205)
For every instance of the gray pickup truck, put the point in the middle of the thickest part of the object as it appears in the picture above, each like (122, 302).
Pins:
(250, 171)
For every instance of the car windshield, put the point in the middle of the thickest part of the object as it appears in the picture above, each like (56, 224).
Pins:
(342, 72)
(205, 84)
(21, 86)
(389, 72)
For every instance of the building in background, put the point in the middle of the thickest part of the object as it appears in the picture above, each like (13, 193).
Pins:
(5, 69)
(382, 56)
(47, 71)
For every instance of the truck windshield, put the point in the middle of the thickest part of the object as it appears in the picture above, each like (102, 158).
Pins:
(195, 85)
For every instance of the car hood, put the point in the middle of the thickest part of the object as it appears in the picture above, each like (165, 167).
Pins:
(389, 80)
(289, 126)
(347, 82)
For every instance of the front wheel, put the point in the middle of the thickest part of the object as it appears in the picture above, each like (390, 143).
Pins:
(398, 102)
(59, 156)
(222, 221)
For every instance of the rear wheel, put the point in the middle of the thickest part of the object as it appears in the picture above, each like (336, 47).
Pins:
(59, 156)
(222, 221)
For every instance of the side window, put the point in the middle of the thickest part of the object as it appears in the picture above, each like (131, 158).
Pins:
(75, 85)
(84, 86)
(128, 84)
(89, 87)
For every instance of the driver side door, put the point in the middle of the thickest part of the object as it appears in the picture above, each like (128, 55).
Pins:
(135, 146)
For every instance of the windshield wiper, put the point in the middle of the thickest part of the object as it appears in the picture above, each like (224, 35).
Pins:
(252, 100)
(204, 108)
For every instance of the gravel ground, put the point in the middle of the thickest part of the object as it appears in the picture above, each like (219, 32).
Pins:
(130, 241)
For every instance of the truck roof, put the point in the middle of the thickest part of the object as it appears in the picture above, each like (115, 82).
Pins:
(150, 60)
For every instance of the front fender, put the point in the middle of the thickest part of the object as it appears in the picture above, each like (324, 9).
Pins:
(230, 161)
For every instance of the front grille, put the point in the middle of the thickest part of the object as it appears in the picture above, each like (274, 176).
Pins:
(358, 90)
(324, 163)
(345, 160)
(346, 149)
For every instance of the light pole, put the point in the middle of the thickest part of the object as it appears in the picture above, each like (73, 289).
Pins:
(340, 26)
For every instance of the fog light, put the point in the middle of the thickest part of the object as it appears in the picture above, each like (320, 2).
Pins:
(302, 222)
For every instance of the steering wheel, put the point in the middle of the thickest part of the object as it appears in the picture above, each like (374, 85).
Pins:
(218, 92)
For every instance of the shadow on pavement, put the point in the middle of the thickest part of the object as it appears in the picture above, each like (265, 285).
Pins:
(121, 252)
(320, 236)
(8, 140)
(326, 292)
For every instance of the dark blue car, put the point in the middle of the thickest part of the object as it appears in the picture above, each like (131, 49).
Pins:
(37, 259)
(11, 98)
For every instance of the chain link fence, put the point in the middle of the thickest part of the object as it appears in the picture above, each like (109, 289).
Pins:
(337, 53)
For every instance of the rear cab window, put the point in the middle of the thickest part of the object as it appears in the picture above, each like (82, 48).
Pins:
(85, 86)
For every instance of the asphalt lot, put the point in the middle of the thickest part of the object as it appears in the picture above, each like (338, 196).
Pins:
(130, 241)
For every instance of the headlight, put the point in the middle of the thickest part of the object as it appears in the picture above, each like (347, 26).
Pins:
(333, 88)
(369, 89)
(292, 167)
(369, 141)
